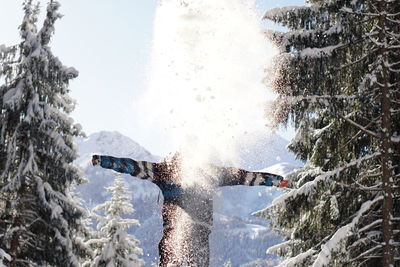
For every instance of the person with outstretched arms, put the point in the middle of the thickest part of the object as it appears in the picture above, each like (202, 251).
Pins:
(196, 202)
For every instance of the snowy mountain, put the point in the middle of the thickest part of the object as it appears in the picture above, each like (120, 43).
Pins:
(145, 194)
(110, 142)
(260, 150)
(238, 237)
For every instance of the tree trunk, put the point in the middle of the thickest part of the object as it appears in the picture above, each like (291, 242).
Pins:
(386, 145)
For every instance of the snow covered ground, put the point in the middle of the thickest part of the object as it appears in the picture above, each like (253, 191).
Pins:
(238, 237)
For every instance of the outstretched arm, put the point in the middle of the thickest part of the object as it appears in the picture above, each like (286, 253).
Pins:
(235, 176)
(141, 169)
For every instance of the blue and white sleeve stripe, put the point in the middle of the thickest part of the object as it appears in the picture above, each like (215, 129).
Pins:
(140, 169)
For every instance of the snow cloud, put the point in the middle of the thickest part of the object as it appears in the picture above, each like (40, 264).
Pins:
(205, 80)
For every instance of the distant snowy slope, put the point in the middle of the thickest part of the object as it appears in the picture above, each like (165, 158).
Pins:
(283, 168)
(260, 150)
(145, 194)
(237, 237)
(113, 144)
(110, 143)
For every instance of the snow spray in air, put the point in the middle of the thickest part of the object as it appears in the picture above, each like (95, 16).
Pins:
(205, 83)
(208, 60)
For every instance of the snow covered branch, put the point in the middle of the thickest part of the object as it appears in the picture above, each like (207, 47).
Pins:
(371, 225)
(324, 257)
(299, 259)
(395, 139)
(310, 186)
(367, 253)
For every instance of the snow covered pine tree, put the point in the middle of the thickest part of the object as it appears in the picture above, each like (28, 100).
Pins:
(115, 246)
(195, 201)
(39, 220)
(338, 82)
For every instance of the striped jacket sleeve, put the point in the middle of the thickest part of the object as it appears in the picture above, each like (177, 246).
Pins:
(235, 176)
(140, 169)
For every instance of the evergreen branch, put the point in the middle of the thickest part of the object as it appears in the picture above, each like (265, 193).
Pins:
(375, 41)
(393, 14)
(394, 45)
(371, 175)
(360, 127)
(28, 242)
(298, 259)
(371, 53)
(356, 135)
(275, 12)
(372, 257)
(342, 233)
(314, 98)
(371, 188)
(364, 240)
(392, 34)
(366, 253)
(393, 20)
(362, 187)
(395, 139)
(364, 261)
(394, 70)
(10, 62)
(350, 11)
(371, 225)
(389, 65)
(394, 167)
(305, 188)
(37, 220)
(360, 40)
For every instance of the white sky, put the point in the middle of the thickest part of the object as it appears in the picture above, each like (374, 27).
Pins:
(109, 43)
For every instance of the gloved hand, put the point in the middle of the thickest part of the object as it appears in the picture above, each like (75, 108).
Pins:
(284, 183)
(274, 180)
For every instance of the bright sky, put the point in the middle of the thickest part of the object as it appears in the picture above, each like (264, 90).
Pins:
(109, 43)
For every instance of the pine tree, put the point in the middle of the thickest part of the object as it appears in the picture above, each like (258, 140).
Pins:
(40, 219)
(115, 247)
(337, 80)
